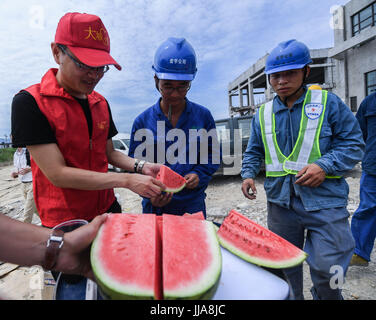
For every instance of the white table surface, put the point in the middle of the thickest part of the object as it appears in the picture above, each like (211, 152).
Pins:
(242, 280)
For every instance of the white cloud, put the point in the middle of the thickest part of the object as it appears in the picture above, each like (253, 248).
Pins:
(228, 37)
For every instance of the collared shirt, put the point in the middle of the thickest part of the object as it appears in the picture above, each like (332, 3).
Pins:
(341, 146)
(163, 142)
(366, 116)
(20, 162)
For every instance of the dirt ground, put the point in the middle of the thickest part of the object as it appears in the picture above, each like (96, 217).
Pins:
(223, 194)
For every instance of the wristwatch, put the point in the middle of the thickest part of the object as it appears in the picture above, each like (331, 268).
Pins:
(54, 244)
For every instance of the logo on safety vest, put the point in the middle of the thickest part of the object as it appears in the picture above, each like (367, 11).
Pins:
(313, 110)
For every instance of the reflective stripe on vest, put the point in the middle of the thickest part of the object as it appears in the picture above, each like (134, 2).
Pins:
(306, 149)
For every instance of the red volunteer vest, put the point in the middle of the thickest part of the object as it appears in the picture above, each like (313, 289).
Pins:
(67, 120)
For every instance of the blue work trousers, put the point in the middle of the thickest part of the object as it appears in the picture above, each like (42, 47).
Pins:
(326, 236)
(363, 223)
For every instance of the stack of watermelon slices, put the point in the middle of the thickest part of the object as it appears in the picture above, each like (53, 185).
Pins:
(144, 256)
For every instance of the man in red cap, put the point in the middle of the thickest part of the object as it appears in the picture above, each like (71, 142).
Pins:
(67, 127)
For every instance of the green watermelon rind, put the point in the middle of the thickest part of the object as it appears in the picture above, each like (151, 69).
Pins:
(109, 286)
(287, 263)
(168, 170)
(209, 284)
(175, 190)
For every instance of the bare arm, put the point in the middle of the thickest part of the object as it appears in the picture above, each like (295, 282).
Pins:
(118, 159)
(51, 161)
(25, 244)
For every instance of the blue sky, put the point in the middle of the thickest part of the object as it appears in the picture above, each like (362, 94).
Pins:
(228, 37)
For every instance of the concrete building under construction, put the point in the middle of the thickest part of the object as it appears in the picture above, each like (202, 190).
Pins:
(348, 69)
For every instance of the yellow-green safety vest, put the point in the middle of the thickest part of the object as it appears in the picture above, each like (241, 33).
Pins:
(307, 147)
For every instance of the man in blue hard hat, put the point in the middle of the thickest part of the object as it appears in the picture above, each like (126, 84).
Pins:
(172, 123)
(308, 139)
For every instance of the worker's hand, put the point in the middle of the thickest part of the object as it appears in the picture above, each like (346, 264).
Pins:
(192, 180)
(14, 174)
(163, 199)
(247, 185)
(144, 185)
(310, 176)
(74, 257)
(151, 169)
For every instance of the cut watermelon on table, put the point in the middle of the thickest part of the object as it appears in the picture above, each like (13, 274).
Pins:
(197, 215)
(256, 244)
(144, 256)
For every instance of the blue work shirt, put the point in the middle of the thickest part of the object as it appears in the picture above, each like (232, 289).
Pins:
(194, 117)
(366, 116)
(341, 146)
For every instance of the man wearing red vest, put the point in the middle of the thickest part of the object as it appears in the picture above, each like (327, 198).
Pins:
(68, 127)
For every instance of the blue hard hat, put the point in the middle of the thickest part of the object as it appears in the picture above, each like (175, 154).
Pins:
(288, 55)
(175, 59)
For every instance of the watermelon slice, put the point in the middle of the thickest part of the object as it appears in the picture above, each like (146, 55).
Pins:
(197, 215)
(120, 273)
(173, 181)
(191, 258)
(130, 262)
(256, 244)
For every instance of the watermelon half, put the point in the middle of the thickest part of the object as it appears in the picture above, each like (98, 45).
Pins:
(191, 258)
(173, 181)
(144, 256)
(125, 257)
(256, 244)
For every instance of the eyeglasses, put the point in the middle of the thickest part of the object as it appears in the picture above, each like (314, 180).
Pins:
(83, 67)
(180, 90)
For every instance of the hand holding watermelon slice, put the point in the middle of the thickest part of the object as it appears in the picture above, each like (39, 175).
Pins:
(145, 186)
(192, 180)
(162, 200)
(151, 169)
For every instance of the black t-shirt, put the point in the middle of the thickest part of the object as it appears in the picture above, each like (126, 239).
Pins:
(30, 126)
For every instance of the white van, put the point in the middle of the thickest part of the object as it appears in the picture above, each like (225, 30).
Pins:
(121, 143)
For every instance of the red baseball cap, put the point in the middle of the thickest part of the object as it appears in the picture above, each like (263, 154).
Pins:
(86, 36)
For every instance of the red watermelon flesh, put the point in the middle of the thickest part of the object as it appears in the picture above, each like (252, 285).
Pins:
(173, 181)
(146, 256)
(256, 244)
(191, 257)
(197, 215)
(117, 268)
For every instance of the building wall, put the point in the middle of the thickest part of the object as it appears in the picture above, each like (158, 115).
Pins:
(354, 56)
(360, 61)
